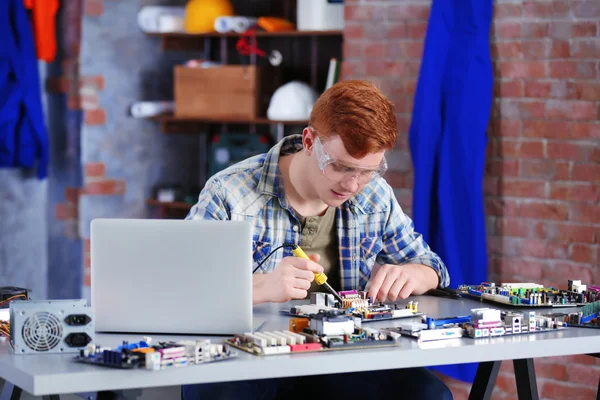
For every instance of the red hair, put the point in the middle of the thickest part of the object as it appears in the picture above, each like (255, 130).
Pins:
(360, 114)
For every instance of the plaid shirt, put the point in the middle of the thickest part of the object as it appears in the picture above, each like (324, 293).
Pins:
(371, 225)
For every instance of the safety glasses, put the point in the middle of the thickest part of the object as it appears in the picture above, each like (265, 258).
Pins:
(341, 171)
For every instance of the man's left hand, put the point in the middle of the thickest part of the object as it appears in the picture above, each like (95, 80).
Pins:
(400, 281)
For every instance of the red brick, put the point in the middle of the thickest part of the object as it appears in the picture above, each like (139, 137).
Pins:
(506, 50)
(395, 31)
(584, 253)
(374, 50)
(520, 228)
(104, 187)
(522, 188)
(585, 91)
(94, 8)
(584, 110)
(560, 49)
(567, 232)
(569, 151)
(352, 70)
(587, 9)
(508, 88)
(95, 117)
(576, 192)
(87, 246)
(563, 69)
(547, 129)
(94, 170)
(545, 10)
(523, 69)
(359, 13)
(71, 195)
(534, 30)
(505, 128)
(408, 12)
(571, 29)
(545, 169)
(561, 269)
(506, 382)
(586, 48)
(353, 31)
(352, 49)
(507, 10)
(584, 212)
(416, 29)
(64, 211)
(490, 186)
(540, 248)
(518, 267)
(404, 49)
(586, 172)
(535, 49)
(532, 149)
(579, 359)
(507, 29)
(543, 210)
(538, 89)
(550, 369)
(576, 110)
(583, 374)
(586, 130)
(502, 167)
(501, 207)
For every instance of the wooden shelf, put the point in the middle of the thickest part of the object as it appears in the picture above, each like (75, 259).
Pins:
(195, 41)
(172, 124)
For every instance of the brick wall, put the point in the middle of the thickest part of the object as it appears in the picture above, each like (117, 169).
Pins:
(542, 184)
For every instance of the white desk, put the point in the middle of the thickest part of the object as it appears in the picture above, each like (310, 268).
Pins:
(58, 374)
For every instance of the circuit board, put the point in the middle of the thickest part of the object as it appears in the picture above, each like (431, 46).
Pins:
(280, 342)
(355, 304)
(482, 323)
(532, 294)
(160, 356)
(587, 317)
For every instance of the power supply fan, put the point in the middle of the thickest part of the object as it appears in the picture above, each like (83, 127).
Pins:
(51, 326)
(42, 331)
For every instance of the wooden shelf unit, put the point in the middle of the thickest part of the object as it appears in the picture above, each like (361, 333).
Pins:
(175, 41)
(170, 123)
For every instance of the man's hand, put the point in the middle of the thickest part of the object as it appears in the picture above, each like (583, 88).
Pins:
(400, 281)
(290, 280)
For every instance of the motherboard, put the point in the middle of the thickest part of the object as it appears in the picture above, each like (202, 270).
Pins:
(162, 355)
(355, 304)
(533, 294)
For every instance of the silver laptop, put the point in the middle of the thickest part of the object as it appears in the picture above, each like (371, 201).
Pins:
(171, 276)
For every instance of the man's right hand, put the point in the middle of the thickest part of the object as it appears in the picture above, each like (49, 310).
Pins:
(290, 280)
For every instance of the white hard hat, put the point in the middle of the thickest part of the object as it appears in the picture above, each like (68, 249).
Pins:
(292, 101)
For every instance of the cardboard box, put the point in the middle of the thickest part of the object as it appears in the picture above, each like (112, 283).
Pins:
(226, 92)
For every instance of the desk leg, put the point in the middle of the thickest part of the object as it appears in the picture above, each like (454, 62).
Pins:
(525, 377)
(51, 397)
(10, 392)
(485, 380)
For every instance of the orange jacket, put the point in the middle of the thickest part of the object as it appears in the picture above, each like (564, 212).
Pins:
(44, 27)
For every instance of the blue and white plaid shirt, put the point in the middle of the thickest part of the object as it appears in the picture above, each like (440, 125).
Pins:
(371, 225)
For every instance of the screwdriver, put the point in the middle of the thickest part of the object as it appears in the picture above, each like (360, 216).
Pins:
(320, 278)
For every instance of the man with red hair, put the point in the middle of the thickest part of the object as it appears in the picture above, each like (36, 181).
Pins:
(325, 191)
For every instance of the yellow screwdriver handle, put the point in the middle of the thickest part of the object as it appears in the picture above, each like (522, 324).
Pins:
(320, 278)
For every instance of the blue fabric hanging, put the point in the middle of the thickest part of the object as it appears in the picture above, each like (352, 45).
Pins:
(447, 138)
(23, 136)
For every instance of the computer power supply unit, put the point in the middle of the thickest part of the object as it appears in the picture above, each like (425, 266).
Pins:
(51, 326)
